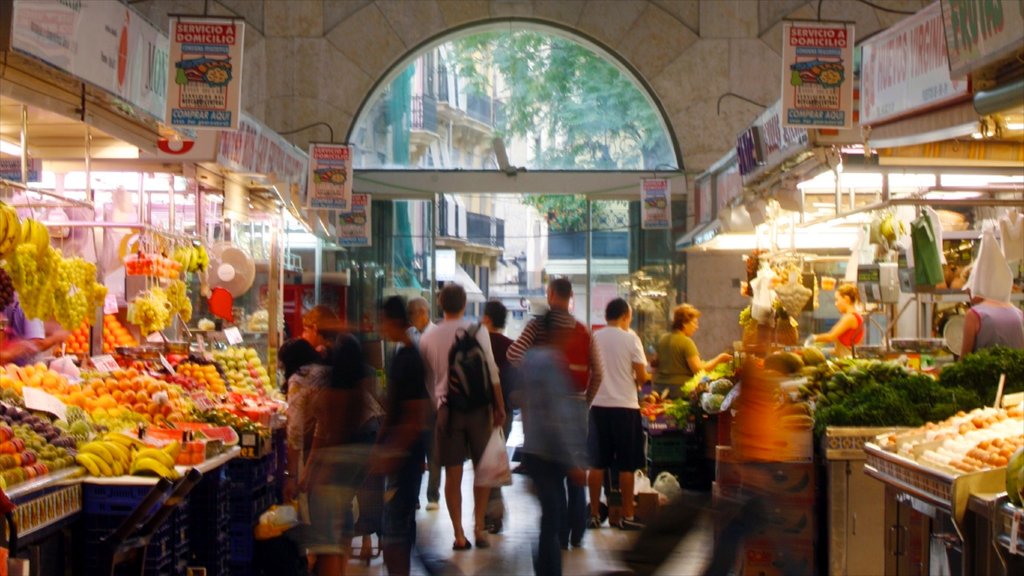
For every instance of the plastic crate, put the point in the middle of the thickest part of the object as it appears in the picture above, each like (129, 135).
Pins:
(242, 543)
(112, 500)
(247, 507)
(248, 474)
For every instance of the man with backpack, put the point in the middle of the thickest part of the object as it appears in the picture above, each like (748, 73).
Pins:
(467, 388)
(585, 370)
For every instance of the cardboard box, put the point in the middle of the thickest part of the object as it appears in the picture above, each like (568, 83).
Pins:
(789, 481)
(771, 560)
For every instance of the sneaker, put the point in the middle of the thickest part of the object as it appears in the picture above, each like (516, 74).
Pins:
(630, 524)
(595, 522)
(432, 506)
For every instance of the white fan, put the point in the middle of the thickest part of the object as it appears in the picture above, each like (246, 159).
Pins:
(231, 268)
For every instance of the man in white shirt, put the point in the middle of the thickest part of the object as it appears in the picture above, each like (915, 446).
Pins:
(616, 435)
(418, 310)
(460, 433)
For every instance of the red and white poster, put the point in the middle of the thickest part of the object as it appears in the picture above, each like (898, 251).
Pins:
(205, 73)
(354, 226)
(655, 203)
(329, 183)
(817, 75)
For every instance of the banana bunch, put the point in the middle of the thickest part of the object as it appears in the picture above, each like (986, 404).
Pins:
(157, 461)
(10, 230)
(192, 258)
(33, 232)
(105, 457)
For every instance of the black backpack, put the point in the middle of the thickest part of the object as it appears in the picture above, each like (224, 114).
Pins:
(469, 377)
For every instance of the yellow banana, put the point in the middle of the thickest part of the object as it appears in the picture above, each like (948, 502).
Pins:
(88, 461)
(105, 468)
(150, 467)
(158, 455)
(118, 468)
(120, 452)
(124, 440)
(100, 450)
(172, 450)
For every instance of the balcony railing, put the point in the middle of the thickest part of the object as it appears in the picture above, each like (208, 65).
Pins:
(573, 245)
(485, 230)
(424, 113)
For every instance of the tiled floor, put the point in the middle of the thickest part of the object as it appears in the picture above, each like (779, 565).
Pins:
(511, 552)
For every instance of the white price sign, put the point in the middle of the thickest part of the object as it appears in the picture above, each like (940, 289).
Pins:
(110, 304)
(36, 399)
(233, 335)
(105, 363)
(166, 364)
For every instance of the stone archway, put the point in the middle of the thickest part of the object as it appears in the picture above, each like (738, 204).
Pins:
(313, 61)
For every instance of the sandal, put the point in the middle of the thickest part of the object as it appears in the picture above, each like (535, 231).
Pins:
(464, 546)
(481, 539)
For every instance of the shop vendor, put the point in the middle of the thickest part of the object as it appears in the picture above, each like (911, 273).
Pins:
(678, 357)
(25, 339)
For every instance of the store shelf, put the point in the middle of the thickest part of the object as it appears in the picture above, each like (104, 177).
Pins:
(56, 478)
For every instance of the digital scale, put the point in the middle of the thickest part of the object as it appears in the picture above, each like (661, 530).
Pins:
(879, 283)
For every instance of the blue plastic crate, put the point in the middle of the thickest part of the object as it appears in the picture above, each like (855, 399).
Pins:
(247, 506)
(250, 474)
(112, 500)
(242, 543)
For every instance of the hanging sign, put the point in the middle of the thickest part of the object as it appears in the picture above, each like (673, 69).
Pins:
(904, 69)
(205, 73)
(980, 33)
(817, 74)
(104, 43)
(354, 226)
(255, 149)
(656, 203)
(10, 169)
(703, 199)
(329, 182)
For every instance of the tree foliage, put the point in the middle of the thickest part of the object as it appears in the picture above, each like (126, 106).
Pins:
(582, 110)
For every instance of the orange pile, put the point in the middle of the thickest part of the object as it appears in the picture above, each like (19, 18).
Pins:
(127, 391)
(206, 375)
(78, 342)
(115, 334)
(34, 376)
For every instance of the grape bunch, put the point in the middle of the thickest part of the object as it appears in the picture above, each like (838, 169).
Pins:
(6, 289)
(178, 298)
(150, 311)
(33, 275)
(76, 293)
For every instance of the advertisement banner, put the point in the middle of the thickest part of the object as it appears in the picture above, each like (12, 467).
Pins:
(980, 33)
(354, 226)
(656, 205)
(904, 69)
(104, 43)
(10, 169)
(329, 183)
(256, 149)
(817, 74)
(728, 185)
(205, 74)
(703, 199)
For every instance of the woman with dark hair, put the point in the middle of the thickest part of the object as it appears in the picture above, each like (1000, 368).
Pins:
(678, 357)
(305, 376)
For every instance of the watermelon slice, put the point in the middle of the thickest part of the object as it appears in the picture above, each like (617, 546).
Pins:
(225, 434)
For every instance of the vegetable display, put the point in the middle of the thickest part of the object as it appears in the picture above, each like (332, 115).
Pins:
(980, 372)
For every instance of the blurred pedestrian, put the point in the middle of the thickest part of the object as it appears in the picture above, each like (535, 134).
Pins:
(461, 432)
(616, 440)
(315, 323)
(678, 357)
(585, 368)
(337, 463)
(419, 319)
(306, 377)
(403, 440)
(553, 447)
(495, 315)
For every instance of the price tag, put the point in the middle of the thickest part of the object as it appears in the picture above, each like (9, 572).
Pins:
(233, 335)
(36, 399)
(166, 364)
(105, 363)
(155, 337)
(202, 401)
(1015, 535)
(110, 304)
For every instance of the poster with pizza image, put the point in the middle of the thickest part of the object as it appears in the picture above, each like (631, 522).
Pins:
(817, 84)
(205, 75)
(354, 226)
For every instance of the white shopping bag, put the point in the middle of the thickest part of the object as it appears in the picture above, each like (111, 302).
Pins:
(494, 470)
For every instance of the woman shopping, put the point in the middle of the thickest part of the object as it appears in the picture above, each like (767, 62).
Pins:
(678, 357)
(849, 330)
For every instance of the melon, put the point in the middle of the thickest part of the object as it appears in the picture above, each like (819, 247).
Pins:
(1015, 478)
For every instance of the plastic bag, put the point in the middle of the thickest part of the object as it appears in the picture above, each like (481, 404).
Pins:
(494, 470)
(668, 485)
(642, 484)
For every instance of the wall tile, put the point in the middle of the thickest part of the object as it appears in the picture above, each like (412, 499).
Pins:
(280, 67)
(728, 19)
(699, 74)
(607, 21)
(310, 64)
(248, 9)
(294, 18)
(458, 12)
(414, 22)
(346, 86)
(336, 11)
(511, 8)
(755, 71)
(562, 11)
(367, 40)
(686, 11)
(655, 40)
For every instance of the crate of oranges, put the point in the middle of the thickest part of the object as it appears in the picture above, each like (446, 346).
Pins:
(77, 342)
(115, 335)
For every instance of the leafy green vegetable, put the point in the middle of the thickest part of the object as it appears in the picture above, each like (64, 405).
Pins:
(679, 410)
(980, 372)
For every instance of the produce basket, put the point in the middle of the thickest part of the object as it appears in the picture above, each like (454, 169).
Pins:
(939, 489)
(847, 442)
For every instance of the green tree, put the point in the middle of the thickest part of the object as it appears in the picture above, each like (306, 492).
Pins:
(579, 111)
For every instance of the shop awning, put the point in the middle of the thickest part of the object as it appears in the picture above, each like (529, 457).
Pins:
(474, 295)
(702, 233)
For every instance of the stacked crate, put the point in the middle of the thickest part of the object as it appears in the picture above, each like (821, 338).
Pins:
(105, 507)
(251, 493)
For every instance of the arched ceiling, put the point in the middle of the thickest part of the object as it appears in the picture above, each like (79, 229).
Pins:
(309, 61)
